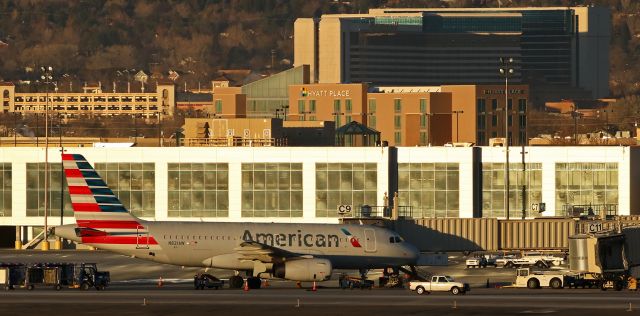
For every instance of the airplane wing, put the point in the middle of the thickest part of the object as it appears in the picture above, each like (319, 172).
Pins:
(251, 250)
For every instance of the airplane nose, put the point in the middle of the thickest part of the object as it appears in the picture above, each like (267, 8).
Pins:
(411, 252)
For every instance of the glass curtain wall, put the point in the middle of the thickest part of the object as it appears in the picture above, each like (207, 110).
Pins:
(266, 95)
(36, 188)
(133, 183)
(431, 189)
(272, 190)
(5, 189)
(586, 184)
(337, 184)
(493, 189)
(198, 190)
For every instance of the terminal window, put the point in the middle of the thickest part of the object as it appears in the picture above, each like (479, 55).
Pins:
(588, 183)
(5, 189)
(133, 183)
(271, 190)
(198, 190)
(36, 188)
(493, 189)
(430, 189)
(354, 184)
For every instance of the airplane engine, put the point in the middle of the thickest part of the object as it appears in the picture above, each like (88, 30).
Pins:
(303, 270)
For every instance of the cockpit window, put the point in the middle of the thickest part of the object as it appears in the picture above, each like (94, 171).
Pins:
(392, 239)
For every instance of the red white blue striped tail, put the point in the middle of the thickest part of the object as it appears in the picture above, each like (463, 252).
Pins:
(100, 216)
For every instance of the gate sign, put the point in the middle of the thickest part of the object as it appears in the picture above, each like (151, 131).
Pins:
(344, 209)
(594, 227)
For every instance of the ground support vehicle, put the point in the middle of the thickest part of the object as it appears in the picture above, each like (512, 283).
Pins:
(56, 275)
(43, 275)
(350, 282)
(439, 283)
(87, 275)
(11, 275)
(530, 259)
(535, 280)
(204, 280)
(479, 262)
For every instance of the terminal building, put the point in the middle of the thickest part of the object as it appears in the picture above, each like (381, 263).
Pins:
(308, 184)
(552, 47)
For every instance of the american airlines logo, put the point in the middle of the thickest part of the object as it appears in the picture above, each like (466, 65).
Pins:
(298, 239)
(354, 241)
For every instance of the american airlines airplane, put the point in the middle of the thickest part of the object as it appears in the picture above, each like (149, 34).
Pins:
(299, 252)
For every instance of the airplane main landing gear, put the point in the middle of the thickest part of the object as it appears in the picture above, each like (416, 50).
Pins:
(236, 282)
(254, 283)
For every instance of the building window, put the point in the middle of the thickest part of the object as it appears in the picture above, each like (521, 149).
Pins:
(5, 189)
(397, 122)
(397, 105)
(347, 119)
(372, 121)
(493, 189)
(218, 106)
(423, 121)
(312, 106)
(133, 183)
(347, 105)
(510, 119)
(338, 121)
(423, 139)
(586, 185)
(431, 189)
(301, 106)
(481, 141)
(198, 190)
(423, 105)
(522, 106)
(35, 190)
(397, 138)
(481, 106)
(336, 106)
(372, 106)
(494, 114)
(271, 190)
(354, 184)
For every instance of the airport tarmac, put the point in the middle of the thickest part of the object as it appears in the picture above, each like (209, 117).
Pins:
(132, 270)
(180, 299)
(134, 292)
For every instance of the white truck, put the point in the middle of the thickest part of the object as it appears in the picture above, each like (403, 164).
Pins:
(439, 283)
(535, 280)
(537, 259)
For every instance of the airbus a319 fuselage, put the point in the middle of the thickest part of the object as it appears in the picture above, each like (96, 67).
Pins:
(301, 252)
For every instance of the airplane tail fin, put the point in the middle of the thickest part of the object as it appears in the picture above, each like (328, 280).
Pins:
(94, 204)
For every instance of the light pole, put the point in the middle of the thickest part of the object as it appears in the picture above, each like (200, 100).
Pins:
(47, 76)
(506, 70)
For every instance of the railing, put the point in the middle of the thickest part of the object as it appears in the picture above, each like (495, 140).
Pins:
(591, 211)
(233, 142)
(377, 211)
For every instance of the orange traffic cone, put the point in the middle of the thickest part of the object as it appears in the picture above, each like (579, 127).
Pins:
(314, 288)
(246, 286)
(160, 282)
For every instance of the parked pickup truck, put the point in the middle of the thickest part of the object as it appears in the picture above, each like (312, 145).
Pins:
(439, 283)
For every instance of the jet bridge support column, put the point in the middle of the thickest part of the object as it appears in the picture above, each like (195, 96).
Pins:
(18, 244)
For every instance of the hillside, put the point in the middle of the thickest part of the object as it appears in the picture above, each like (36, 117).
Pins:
(104, 41)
